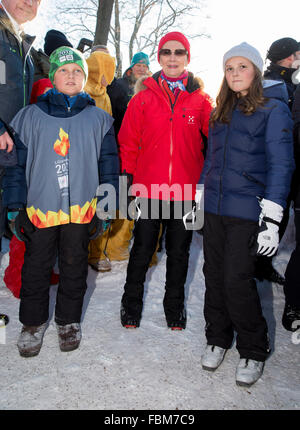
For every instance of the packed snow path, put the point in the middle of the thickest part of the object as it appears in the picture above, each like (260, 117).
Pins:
(151, 367)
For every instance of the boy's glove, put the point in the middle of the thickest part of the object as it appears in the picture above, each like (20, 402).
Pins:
(20, 224)
(98, 226)
(94, 227)
(267, 239)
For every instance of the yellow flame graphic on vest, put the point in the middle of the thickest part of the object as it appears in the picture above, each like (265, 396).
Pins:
(61, 147)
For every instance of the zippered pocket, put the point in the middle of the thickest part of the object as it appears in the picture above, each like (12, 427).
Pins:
(252, 179)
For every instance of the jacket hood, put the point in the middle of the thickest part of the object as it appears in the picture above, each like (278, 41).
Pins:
(139, 85)
(148, 82)
(275, 90)
(100, 64)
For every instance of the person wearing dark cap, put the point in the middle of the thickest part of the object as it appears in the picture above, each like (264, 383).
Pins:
(283, 55)
(55, 39)
(139, 67)
(291, 313)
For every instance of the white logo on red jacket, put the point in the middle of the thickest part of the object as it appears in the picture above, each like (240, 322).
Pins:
(191, 119)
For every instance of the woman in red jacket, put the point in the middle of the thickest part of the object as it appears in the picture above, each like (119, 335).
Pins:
(161, 151)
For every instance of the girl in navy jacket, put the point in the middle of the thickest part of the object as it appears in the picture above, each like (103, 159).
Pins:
(246, 179)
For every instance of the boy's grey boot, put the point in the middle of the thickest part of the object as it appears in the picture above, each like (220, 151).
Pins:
(248, 372)
(69, 336)
(31, 339)
(212, 357)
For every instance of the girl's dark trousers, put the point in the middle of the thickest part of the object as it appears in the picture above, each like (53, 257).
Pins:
(231, 302)
(177, 244)
(70, 242)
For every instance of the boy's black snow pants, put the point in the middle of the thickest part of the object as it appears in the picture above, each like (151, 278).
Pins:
(177, 244)
(71, 242)
(231, 299)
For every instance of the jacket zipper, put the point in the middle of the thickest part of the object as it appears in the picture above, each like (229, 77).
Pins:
(21, 54)
(252, 179)
(24, 71)
(171, 105)
(24, 76)
(171, 146)
(171, 140)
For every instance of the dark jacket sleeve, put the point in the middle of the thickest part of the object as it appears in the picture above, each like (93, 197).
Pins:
(296, 118)
(109, 167)
(279, 154)
(14, 181)
(119, 101)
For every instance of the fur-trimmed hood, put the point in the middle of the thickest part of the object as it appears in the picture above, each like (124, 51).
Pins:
(194, 82)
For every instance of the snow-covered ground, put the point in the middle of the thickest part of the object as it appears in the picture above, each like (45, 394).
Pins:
(152, 367)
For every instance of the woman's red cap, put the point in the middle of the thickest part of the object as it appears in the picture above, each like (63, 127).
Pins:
(175, 35)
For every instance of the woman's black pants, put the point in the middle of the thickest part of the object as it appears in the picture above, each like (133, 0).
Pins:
(177, 244)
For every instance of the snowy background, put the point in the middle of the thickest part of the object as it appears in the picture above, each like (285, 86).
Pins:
(151, 367)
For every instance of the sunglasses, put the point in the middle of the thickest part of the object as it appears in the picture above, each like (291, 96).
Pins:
(177, 52)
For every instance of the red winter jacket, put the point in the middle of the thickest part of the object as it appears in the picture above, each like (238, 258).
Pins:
(161, 143)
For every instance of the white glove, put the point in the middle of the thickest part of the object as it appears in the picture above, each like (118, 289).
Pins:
(269, 220)
(199, 195)
(197, 212)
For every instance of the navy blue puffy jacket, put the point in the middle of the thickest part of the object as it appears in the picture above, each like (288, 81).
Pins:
(250, 157)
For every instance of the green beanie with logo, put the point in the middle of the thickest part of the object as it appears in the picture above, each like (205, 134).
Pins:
(66, 55)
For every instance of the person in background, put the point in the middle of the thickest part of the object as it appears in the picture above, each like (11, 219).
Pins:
(246, 177)
(160, 143)
(16, 78)
(139, 67)
(53, 40)
(113, 244)
(291, 313)
(283, 55)
(117, 95)
(66, 148)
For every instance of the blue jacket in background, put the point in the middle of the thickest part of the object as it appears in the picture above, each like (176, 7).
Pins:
(250, 157)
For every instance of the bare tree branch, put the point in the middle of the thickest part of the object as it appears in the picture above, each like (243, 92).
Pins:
(141, 23)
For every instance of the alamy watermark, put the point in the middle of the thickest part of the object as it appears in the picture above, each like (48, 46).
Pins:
(152, 204)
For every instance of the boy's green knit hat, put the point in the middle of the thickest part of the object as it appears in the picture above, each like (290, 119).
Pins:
(66, 55)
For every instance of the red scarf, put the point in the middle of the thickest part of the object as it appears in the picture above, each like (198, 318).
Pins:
(172, 96)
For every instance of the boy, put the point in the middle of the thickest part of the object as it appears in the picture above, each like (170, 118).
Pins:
(66, 147)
